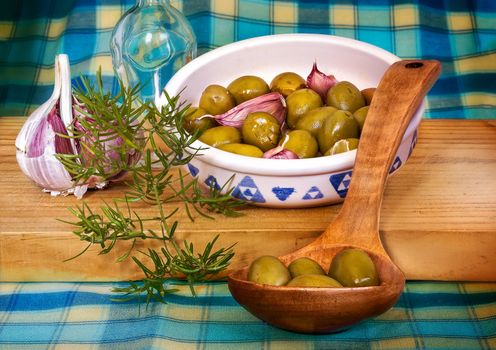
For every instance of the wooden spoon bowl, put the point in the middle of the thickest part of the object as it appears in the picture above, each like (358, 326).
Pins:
(325, 310)
(318, 310)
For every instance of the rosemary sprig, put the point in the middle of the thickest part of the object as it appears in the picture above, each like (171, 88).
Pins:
(106, 130)
(111, 132)
(195, 267)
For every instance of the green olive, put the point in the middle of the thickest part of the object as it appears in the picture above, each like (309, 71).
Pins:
(342, 146)
(368, 94)
(268, 270)
(339, 125)
(300, 142)
(247, 87)
(192, 122)
(286, 83)
(216, 99)
(360, 115)
(300, 102)
(345, 96)
(305, 266)
(314, 119)
(242, 149)
(262, 130)
(220, 135)
(314, 281)
(354, 268)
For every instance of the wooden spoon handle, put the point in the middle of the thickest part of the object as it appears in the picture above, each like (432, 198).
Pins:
(395, 101)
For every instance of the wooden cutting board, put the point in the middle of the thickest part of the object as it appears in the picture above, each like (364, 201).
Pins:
(438, 218)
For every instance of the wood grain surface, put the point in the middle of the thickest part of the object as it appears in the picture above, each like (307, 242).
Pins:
(438, 218)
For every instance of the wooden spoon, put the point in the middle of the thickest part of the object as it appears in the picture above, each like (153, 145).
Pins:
(325, 310)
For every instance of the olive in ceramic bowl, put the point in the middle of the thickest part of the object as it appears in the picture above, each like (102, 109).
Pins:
(368, 94)
(287, 83)
(220, 135)
(242, 149)
(300, 102)
(345, 96)
(247, 87)
(262, 130)
(339, 125)
(300, 142)
(360, 115)
(313, 120)
(343, 145)
(194, 122)
(216, 99)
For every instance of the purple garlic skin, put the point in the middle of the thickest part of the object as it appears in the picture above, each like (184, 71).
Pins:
(319, 82)
(38, 161)
(272, 103)
(40, 137)
(111, 145)
(48, 132)
(280, 152)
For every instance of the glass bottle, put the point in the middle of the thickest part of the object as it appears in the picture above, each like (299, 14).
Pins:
(149, 44)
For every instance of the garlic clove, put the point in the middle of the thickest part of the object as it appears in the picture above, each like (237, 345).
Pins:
(38, 162)
(66, 109)
(280, 152)
(319, 82)
(272, 103)
(110, 144)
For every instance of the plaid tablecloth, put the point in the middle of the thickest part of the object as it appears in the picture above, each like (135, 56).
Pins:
(82, 316)
(461, 34)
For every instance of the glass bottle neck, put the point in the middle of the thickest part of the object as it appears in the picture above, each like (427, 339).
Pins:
(153, 2)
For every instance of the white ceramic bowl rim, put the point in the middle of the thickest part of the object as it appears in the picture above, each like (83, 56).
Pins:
(278, 167)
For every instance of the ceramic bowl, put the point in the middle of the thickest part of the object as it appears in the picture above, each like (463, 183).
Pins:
(291, 183)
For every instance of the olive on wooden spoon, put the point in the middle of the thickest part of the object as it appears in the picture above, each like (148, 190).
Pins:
(325, 310)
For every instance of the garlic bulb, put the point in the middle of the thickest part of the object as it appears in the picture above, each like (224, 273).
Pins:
(38, 142)
(47, 133)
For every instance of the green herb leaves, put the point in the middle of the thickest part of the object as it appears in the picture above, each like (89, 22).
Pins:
(117, 136)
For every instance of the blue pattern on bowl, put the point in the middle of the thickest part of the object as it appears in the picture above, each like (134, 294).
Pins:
(313, 193)
(413, 144)
(193, 170)
(341, 182)
(282, 193)
(247, 190)
(396, 164)
(211, 181)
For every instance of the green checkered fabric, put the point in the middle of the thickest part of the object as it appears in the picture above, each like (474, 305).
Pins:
(461, 34)
(82, 316)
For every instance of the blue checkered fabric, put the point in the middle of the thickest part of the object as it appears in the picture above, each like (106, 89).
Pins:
(83, 316)
(461, 34)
